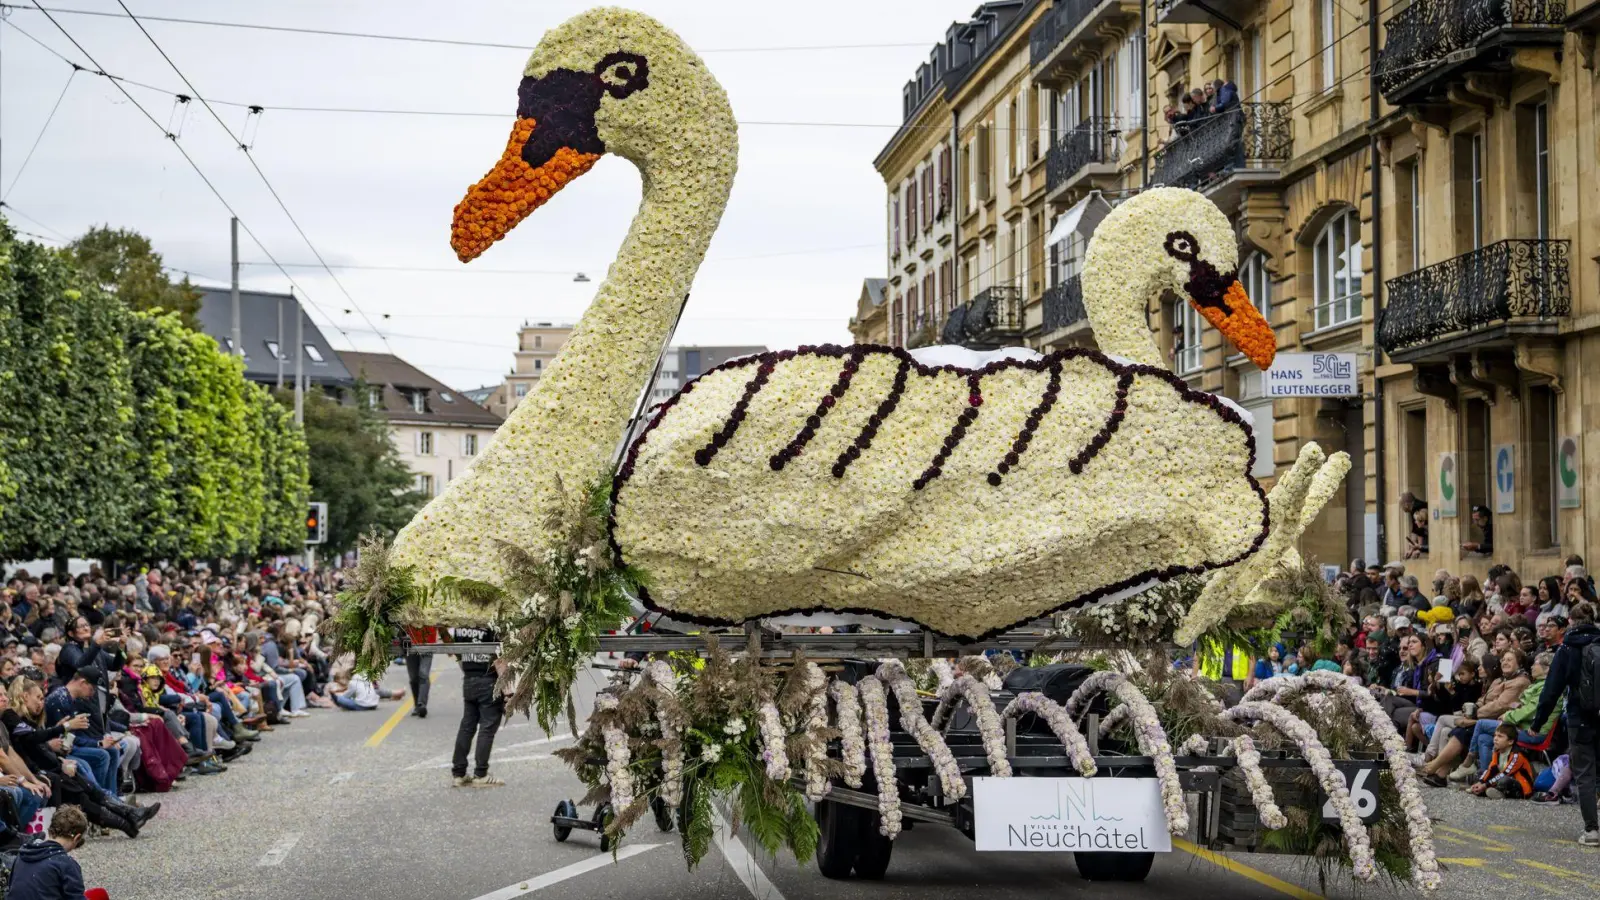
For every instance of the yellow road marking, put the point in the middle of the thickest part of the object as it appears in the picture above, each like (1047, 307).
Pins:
(1469, 862)
(1239, 868)
(1560, 872)
(1504, 829)
(394, 720)
(1479, 840)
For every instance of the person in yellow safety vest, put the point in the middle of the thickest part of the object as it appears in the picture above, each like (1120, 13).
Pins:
(1231, 659)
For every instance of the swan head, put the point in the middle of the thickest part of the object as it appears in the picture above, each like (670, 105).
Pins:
(1192, 246)
(607, 80)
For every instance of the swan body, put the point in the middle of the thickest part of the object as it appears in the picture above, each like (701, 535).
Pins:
(838, 478)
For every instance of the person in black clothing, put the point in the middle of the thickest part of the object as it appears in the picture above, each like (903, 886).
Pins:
(482, 708)
(45, 869)
(1583, 722)
(80, 651)
(1483, 519)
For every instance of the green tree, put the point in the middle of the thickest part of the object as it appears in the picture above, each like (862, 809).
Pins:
(123, 263)
(286, 475)
(356, 469)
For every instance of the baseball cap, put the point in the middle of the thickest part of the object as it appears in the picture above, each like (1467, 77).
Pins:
(1398, 622)
(91, 674)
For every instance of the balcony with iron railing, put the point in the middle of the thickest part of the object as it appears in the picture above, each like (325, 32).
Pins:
(1489, 296)
(1430, 41)
(1069, 26)
(1063, 309)
(1091, 147)
(1250, 136)
(993, 318)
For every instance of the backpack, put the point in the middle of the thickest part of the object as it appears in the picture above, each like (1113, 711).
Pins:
(1589, 678)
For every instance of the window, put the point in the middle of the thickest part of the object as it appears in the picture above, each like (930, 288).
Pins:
(272, 350)
(944, 181)
(1187, 348)
(1543, 445)
(521, 390)
(985, 161)
(1414, 477)
(538, 365)
(927, 196)
(538, 341)
(313, 353)
(374, 397)
(911, 212)
(1541, 158)
(1257, 283)
(1012, 109)
(424, 443)
(419, 401)
(1327, 23)
(1477, 462)
(1477, 191)
(1336, 269)
(691, 364)
(1041, 133)
(1256, 48)
(425, 485)
(469, 444)
(445, 396)
(894, 223)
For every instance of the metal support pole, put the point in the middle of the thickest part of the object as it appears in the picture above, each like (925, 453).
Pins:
(299, 353)
(1144, 94)
(238, 338)
(1379, 432)
(278, 336)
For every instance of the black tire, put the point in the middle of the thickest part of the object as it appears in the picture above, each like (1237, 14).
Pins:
(602, 820)
(872, 859)
(837, 845)
(566, 809)
(663, 814)
(1114, 866)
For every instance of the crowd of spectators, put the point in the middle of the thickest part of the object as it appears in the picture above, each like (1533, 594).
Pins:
(1481, 678)
(1199, 104)
(113, 686)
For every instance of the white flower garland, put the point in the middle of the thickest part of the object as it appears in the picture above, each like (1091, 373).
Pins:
(669, 719)
(894, 675)
(1055, 715)
(1194, 746)
(1419, 827)
(847, 718)
(875, 707)
(618, 758)
(1152, 739)
(990, 728)
(1249, 759)
(1321, 762)
(817, 783)
(774, 749)
(944, 672)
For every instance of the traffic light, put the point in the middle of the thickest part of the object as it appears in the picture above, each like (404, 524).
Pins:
(317, 523)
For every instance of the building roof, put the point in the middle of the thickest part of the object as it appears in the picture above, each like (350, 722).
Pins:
(258, 324)
(400, 380)
(874, 289)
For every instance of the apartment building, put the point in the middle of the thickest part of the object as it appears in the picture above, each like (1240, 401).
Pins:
(537, 346)
(681, 365)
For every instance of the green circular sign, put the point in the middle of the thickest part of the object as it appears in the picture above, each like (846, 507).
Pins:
(1447, 479)
(1567, 463)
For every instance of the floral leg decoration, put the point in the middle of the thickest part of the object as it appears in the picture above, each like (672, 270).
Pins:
(847, 716)
(773, 741)
(1266, 803)
(876, 707)
(617, 758)
(817, 783)
(1194, 746)
(893, 674)
(1418, 826)
(1055, 715)
(976, 693)
(1305, 737)
(1151, 736)
(669, 717)
(943, 671)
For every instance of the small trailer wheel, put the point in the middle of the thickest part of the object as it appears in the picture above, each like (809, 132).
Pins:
(566, 809)
(872, 859)
(1114, 866)
(837, 845)
(663, 814)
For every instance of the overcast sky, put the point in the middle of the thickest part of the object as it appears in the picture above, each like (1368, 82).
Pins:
(377, 190)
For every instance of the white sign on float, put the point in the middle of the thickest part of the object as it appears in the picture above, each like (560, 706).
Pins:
(1113, 815)
(1314, 375)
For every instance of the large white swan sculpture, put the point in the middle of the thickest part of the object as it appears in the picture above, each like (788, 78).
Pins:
(841, 478)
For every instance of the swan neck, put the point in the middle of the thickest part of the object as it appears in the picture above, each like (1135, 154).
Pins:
(1119, 285)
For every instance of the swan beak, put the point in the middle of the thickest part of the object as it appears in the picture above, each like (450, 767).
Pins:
(1239, 320)
(511, 191)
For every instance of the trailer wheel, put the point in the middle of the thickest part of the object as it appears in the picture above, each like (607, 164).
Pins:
(837, 844)
(872, 859)
(1114, 866)
(663, 814)
(565, 809)
(602, 820)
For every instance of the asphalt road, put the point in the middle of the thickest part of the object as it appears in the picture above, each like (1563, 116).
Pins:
(340, 806)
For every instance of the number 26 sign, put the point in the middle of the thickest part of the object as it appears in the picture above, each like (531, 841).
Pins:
(1361, 779)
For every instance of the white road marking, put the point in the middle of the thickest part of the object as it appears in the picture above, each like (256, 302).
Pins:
(434, 762)
(280, 850)
(522, 889)
(495, 760)
(341, 778)
(742, 863)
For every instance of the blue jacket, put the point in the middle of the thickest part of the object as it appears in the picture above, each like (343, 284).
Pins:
(1563, 676)
(1227, 97)
(45, 871)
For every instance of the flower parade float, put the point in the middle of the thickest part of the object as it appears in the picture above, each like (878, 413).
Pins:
(1085, 510)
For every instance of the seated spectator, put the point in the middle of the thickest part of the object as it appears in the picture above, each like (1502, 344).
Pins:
(1551, 599)
(1508, 775)
(1500, 697)
(361, 694)
(45, 869)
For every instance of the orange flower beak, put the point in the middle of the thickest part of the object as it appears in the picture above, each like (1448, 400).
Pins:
(1239, 320)
(511, 191)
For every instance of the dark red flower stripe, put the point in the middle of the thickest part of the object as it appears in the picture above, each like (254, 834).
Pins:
(1113, 422)
(706, 454)
(957, 432)
(814, 421)
(1020, 445)
(863, 441)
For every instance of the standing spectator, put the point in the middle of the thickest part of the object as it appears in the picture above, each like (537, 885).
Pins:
(419, 670)
(1575, 672)
(483, 706)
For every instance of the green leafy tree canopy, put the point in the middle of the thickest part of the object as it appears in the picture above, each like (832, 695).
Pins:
(123, 263)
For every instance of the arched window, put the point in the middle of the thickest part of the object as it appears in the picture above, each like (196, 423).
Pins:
(1336, 268)
(1257, 283)
(1187, 355)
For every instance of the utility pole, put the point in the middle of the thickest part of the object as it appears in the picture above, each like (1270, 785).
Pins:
(299, 352)
(238, 338)
(278, 336)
